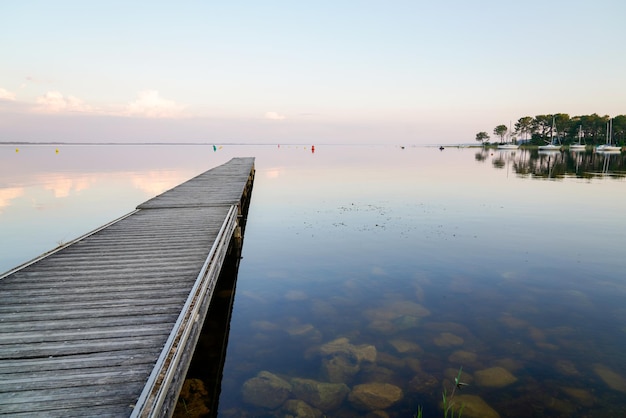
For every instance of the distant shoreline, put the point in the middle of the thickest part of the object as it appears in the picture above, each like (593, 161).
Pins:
(444, 146)
(274, 144)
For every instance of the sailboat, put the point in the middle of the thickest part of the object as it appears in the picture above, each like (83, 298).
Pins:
(580, 146)
(508, 145)
(551, 146)
(608, 147)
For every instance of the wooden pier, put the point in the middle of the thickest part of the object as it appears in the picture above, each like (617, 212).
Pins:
(107, 324)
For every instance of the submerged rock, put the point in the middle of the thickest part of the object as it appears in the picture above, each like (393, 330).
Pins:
(324, 396)
(423, 383)
(382, 327)
(374, 396)
(566, 367)
(340, 368)
(393, 362)
(364, 352)
(343, 360)
(582, 396)
(463, 357)
(509, 363)
(191, 400)
(396, 309)
(377, 414)
(612, 379)
(406, 322)
(474, 407)
(266, 390)
(447, 339)
(414, 364)
(375, 373)
(404, 346)
(300, 409)
(513, 322)
(304, 331)
(495, 377)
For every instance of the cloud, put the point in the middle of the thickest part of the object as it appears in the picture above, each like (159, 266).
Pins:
(63, 186)
(55, 102)
(6, 195)
(156, 182)
(6, 95)
(274, 116)
(151, 105)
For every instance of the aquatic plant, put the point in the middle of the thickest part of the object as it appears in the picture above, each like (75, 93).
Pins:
(448, 401)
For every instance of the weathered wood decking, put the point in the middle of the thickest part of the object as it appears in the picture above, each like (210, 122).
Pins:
(106, 325)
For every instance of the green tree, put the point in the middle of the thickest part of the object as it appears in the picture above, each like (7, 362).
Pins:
(500, 130)
(541, 126)
(482, 137)
(524, 126)
(593, 128)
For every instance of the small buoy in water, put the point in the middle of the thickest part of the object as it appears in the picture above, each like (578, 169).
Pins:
(313, 148)
(17, 150)
(56, 150)
(214, 148)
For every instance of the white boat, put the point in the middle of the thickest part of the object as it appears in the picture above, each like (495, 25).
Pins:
(609, 147)
(580, 146)
(551, 146)
(508, 145)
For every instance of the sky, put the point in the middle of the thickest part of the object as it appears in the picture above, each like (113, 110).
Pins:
(397, 72)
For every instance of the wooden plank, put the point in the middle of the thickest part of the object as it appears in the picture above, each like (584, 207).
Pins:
(83, 333)
(121, 358)
(78, 401)
(62, 319)
(56, 348)
(43, 307)
(83, 328)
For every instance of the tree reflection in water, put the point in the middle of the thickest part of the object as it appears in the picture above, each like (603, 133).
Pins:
(556, 164)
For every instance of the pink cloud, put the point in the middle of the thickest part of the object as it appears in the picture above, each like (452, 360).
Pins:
(151, 105)
(6, 95)
(274, 116)
(55, 102)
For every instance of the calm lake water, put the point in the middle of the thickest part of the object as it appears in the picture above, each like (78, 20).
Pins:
(371, 265)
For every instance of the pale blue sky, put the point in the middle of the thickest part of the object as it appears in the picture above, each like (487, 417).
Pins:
(312, 72)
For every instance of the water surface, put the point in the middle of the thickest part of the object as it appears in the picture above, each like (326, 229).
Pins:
(508, 264)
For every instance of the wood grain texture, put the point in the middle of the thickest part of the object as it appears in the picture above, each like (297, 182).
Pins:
(82, 329)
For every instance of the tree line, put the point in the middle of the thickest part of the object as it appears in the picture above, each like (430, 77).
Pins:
(538, 130)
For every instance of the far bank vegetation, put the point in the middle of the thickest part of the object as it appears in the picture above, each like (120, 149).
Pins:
(538, 130)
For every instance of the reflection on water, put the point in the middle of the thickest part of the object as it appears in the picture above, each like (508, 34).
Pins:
(371, 274)
(371, 298)
(556, 164)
